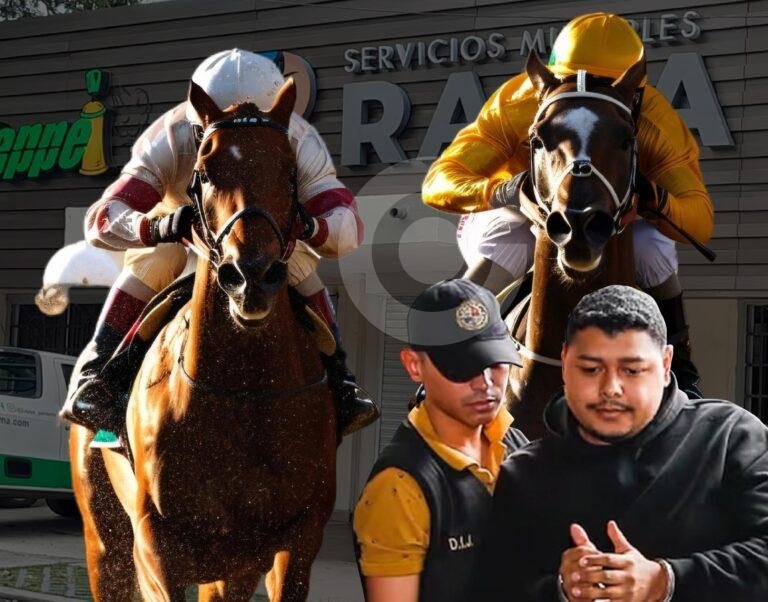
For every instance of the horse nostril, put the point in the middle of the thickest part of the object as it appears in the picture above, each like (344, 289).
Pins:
(276, 274)
(558, 229)
(253, 271)
(598, 228)
(230, 278)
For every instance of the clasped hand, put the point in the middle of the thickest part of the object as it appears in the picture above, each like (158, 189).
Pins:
(627, 575)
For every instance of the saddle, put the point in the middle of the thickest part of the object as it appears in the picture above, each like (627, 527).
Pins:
(124, 364)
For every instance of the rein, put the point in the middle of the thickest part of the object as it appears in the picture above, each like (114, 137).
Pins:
(252, 395)
(208, 246)
(517, 318)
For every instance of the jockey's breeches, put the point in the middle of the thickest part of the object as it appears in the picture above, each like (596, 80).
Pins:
(157, 267)
(504, 236)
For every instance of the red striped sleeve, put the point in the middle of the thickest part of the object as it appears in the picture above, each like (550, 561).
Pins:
(322, 203)
(136, 193)
(101, 221)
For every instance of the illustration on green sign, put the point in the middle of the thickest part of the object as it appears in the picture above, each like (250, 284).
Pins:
(36, 149)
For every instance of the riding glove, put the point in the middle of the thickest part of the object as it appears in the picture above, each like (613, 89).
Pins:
(305, 226)
(172, 227)
(507, 194)
(651, 198)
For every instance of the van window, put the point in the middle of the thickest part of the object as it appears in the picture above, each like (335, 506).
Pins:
(18, 374)
(66, 370)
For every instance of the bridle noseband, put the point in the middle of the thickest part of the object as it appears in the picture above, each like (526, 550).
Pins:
(212, 241)
(584, 167)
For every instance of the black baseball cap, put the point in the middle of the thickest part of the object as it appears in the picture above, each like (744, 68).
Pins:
(458, 324)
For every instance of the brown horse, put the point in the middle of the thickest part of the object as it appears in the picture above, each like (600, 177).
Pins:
(580, 196)
(230, 423)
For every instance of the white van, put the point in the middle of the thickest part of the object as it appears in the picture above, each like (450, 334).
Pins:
(34, 455)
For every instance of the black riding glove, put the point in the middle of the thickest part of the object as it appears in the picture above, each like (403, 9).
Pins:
(305, 225)
(650, 197)
(507, 194)
(173, 227)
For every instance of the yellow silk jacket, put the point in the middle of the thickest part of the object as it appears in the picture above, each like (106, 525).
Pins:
(492, 150)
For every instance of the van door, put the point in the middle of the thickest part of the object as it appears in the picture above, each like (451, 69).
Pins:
(64, 370)
(30, 439)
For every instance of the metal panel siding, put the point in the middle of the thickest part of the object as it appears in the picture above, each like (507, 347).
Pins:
(154, 48)
(396, 385)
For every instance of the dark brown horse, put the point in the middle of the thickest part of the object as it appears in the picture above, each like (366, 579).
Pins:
(583, 163)
(230, 423)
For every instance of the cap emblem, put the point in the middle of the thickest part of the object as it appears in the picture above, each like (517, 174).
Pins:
(472, 315)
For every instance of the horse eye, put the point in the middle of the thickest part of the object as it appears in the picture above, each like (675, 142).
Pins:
(536, 143)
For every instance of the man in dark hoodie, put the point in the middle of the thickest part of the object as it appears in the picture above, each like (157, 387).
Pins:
(637, 493)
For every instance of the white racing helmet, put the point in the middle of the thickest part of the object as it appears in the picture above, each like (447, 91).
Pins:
(234, 76)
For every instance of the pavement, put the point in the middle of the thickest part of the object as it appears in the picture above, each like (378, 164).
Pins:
(42, 559)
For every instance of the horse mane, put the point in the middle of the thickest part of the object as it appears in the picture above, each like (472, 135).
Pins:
(244, 109)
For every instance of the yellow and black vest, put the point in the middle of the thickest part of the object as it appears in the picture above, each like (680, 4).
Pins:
(459, 505)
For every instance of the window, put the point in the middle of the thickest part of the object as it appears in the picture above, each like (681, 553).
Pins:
(756, 364)
(18, 374)
(67, 333)
(66, 371)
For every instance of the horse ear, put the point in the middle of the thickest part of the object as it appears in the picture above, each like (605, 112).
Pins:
(283, 106)
(203, 104)
(630, 80)
(541, 77)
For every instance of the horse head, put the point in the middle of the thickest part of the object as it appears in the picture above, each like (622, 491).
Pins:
(583, 160)
(245, 190)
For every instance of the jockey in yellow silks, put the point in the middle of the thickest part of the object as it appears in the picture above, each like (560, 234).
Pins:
(147, 212)
(497, 243)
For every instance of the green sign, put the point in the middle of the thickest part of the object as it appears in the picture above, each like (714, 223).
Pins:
(39, 148)
(36, 149)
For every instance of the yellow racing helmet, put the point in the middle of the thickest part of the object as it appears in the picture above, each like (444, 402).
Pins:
(602, 44)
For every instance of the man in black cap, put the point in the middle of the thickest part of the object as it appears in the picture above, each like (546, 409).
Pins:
(637, 493)
(420, 518)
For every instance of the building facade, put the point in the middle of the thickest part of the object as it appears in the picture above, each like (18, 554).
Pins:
(387, 86)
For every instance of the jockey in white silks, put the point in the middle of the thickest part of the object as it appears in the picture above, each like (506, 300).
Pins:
(147, 212)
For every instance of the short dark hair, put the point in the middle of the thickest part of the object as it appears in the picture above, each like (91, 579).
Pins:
(615, 309)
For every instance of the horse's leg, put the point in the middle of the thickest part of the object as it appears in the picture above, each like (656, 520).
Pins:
(106, 526)
(276, 576)
(288, 581)
(156, 582)
(239, 590)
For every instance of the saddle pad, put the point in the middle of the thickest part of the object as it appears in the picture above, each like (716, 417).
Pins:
(323, 335)
(164, 307)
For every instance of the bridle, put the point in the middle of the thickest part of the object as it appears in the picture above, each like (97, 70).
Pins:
(540, 211)
(584, 167)
(210, 240)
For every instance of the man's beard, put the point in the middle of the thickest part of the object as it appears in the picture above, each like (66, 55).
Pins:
(610, 439)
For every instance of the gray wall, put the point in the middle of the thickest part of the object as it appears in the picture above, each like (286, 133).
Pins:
(151, 50)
